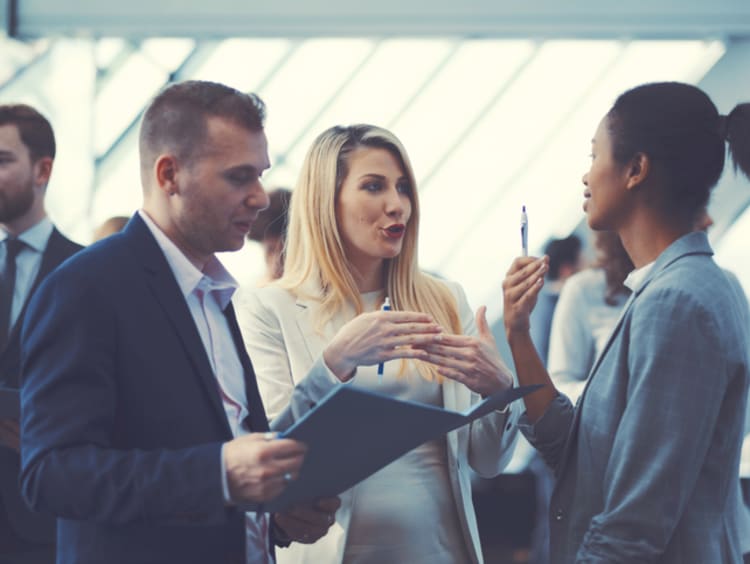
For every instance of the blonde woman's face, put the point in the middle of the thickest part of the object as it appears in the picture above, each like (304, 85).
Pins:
(373, 207)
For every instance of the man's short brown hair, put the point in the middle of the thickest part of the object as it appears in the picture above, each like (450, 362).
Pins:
(175, 121)
(33, 129)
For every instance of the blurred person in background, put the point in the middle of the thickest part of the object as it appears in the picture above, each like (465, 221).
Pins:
(270, 231)
(565, 259)
(30, 248)
(586, 313)
(110, 226)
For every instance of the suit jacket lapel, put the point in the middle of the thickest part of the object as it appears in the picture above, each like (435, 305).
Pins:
(53, 255)
(168, 295)
(57, 250)
(257, 421)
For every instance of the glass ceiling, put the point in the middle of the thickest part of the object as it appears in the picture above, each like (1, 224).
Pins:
(490, 124)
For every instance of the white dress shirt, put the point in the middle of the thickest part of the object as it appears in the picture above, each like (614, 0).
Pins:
(207, 294)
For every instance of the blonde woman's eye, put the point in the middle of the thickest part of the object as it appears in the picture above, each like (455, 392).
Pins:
(372, 186)
(404, 187)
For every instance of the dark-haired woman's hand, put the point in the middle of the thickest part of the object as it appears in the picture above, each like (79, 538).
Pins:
(472, 360)
(521, 288)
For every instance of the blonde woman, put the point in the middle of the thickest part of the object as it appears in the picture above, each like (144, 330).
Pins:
(352, 241)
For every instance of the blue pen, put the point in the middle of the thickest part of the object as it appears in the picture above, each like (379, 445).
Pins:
(524, 232)
(386, 307)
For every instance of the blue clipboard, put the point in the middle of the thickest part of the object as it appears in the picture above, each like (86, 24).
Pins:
(355, 432)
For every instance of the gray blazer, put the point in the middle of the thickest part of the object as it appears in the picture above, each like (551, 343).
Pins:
(647, 462)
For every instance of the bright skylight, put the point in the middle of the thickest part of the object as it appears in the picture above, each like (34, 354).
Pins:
(490, 124)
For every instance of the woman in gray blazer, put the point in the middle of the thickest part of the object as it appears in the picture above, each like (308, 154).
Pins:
(647, 461)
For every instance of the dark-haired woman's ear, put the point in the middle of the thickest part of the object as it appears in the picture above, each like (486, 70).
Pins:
(638, 170)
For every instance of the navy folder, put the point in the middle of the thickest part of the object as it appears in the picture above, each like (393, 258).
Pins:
(355, 432)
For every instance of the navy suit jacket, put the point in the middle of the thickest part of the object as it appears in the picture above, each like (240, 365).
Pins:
(122, 421)
(23, 524)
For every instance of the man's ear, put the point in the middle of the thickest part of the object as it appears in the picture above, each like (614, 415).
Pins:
(165, 168)
(637, 170)
(42, 171)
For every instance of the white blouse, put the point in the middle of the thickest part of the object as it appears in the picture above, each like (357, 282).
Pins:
(404, 512)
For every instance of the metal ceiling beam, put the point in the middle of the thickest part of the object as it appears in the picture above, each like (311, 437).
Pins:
(22, 71)
(308, 18)
(12, 18)
(107, 160)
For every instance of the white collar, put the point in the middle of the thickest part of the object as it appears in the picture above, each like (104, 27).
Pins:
(636, 277)
(213, 278)
(35, 237)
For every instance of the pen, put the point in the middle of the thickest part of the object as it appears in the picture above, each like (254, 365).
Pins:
(386, 307)
(524, 232)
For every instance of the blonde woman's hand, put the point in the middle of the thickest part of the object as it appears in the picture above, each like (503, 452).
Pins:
(473, 361)
(379, 336)
(521, 288)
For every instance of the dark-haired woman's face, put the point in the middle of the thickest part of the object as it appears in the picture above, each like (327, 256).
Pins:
(605, 196)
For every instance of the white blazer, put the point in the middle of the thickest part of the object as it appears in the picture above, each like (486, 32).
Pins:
(286, 353)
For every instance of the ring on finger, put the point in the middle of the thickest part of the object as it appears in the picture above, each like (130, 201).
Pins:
(287, 477)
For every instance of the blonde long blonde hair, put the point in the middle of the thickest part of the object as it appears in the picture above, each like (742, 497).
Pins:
(316, 266)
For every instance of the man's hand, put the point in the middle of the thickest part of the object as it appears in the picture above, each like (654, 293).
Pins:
(10, 434)
(307, 523)
(259, 466)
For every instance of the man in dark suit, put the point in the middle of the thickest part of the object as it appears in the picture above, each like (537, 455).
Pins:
(142, 427)
(30, 248)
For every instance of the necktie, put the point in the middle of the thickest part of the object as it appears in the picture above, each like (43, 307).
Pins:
(13, 246)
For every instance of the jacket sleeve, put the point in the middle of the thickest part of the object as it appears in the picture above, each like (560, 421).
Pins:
(267, 345)
(492, 437)
(70, 466)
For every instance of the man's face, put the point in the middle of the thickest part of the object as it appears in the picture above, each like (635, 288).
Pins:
(219, 193)
(16, 175)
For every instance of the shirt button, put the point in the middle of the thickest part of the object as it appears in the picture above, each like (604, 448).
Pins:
(558, 515)
(508, 426)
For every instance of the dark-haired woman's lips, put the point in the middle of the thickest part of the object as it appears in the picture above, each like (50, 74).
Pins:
(243, 226)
